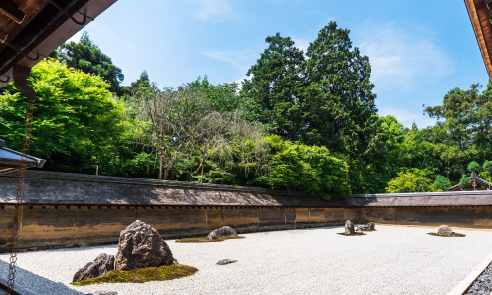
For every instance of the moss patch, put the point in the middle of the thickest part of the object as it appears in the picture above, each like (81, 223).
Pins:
(370, 230)
(356, 234)
(142, 275)
(206, 240)
(455, 235)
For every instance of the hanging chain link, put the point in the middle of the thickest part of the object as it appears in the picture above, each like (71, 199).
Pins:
(16, 226)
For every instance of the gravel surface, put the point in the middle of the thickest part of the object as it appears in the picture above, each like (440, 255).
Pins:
(391, 260)
(483, 284)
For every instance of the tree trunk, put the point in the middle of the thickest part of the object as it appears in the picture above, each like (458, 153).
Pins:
(462, 170)
(160, 164)
(201, 179)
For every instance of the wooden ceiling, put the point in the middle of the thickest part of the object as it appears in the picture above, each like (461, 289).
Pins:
(480, 12)
(31, 29)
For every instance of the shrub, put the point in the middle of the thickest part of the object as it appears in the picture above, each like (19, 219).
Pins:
(413, 180)
(300, 167)
(465, 181)
(441, 183)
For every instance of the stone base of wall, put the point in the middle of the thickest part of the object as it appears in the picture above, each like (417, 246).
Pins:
(62, 227)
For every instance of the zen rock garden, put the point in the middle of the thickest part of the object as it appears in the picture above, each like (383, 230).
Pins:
(142, 251)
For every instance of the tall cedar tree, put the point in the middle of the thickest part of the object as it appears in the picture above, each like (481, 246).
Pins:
(275, 85)
(86, 56)
(340, 107)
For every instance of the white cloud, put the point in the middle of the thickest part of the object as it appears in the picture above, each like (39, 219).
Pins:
(407, 117)
(403, 58)
(240, 60)
(215, 10)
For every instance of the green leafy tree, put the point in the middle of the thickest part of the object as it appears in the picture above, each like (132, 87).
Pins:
(340, 107)
(473, 167)
(487, 167)
(223, 97)
(311, 169)
(413, 180)
(441, 183)
(466, 131)
(88, 57)
(275, 88)
(78, 124)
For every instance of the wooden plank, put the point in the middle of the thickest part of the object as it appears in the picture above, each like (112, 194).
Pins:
(480, 29)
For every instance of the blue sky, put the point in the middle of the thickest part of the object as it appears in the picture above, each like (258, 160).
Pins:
(418, 50)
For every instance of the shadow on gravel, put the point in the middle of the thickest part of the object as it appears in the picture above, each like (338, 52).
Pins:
(59, 287)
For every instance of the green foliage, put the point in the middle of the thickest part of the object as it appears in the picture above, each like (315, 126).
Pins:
(487, 168)
(77, 126)
(473, 167)
(223, 97)
(441, 183)
(275, 88)
(142, 275)
(306, 168)
(467, 129)
(465, 181)
(86, 56)
(325, 100)
(413, 180)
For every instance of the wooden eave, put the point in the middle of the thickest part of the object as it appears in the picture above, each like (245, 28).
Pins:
(43, 29)
(480, 20)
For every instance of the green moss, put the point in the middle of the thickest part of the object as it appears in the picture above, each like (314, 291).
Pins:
(206, 240)
(142, 275)
(454, 235)
(356, 234)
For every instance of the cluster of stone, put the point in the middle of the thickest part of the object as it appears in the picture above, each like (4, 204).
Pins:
(225, 231)
(483, 284)
(350, 230)
(445, 230)
(139, 246)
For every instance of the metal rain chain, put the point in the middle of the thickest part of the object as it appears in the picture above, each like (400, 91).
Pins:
(16, 226)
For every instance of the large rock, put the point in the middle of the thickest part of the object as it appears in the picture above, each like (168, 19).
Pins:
(141, 246)
(349, 227)
(100, 266)
(445, 230)
(225, 231)
(371, 225)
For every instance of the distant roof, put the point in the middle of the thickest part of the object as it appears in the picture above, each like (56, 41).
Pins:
(31, 29)
(11, 160)
(478, 178)
(479, 11)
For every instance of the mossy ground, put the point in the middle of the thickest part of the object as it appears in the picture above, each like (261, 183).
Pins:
(142, 275)
(455, 235)
(356, 234)
(206, 240)
(370, 230)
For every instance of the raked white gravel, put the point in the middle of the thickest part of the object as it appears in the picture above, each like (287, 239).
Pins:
(392, 260)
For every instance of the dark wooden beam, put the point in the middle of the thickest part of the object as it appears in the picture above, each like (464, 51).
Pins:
(12, 12)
